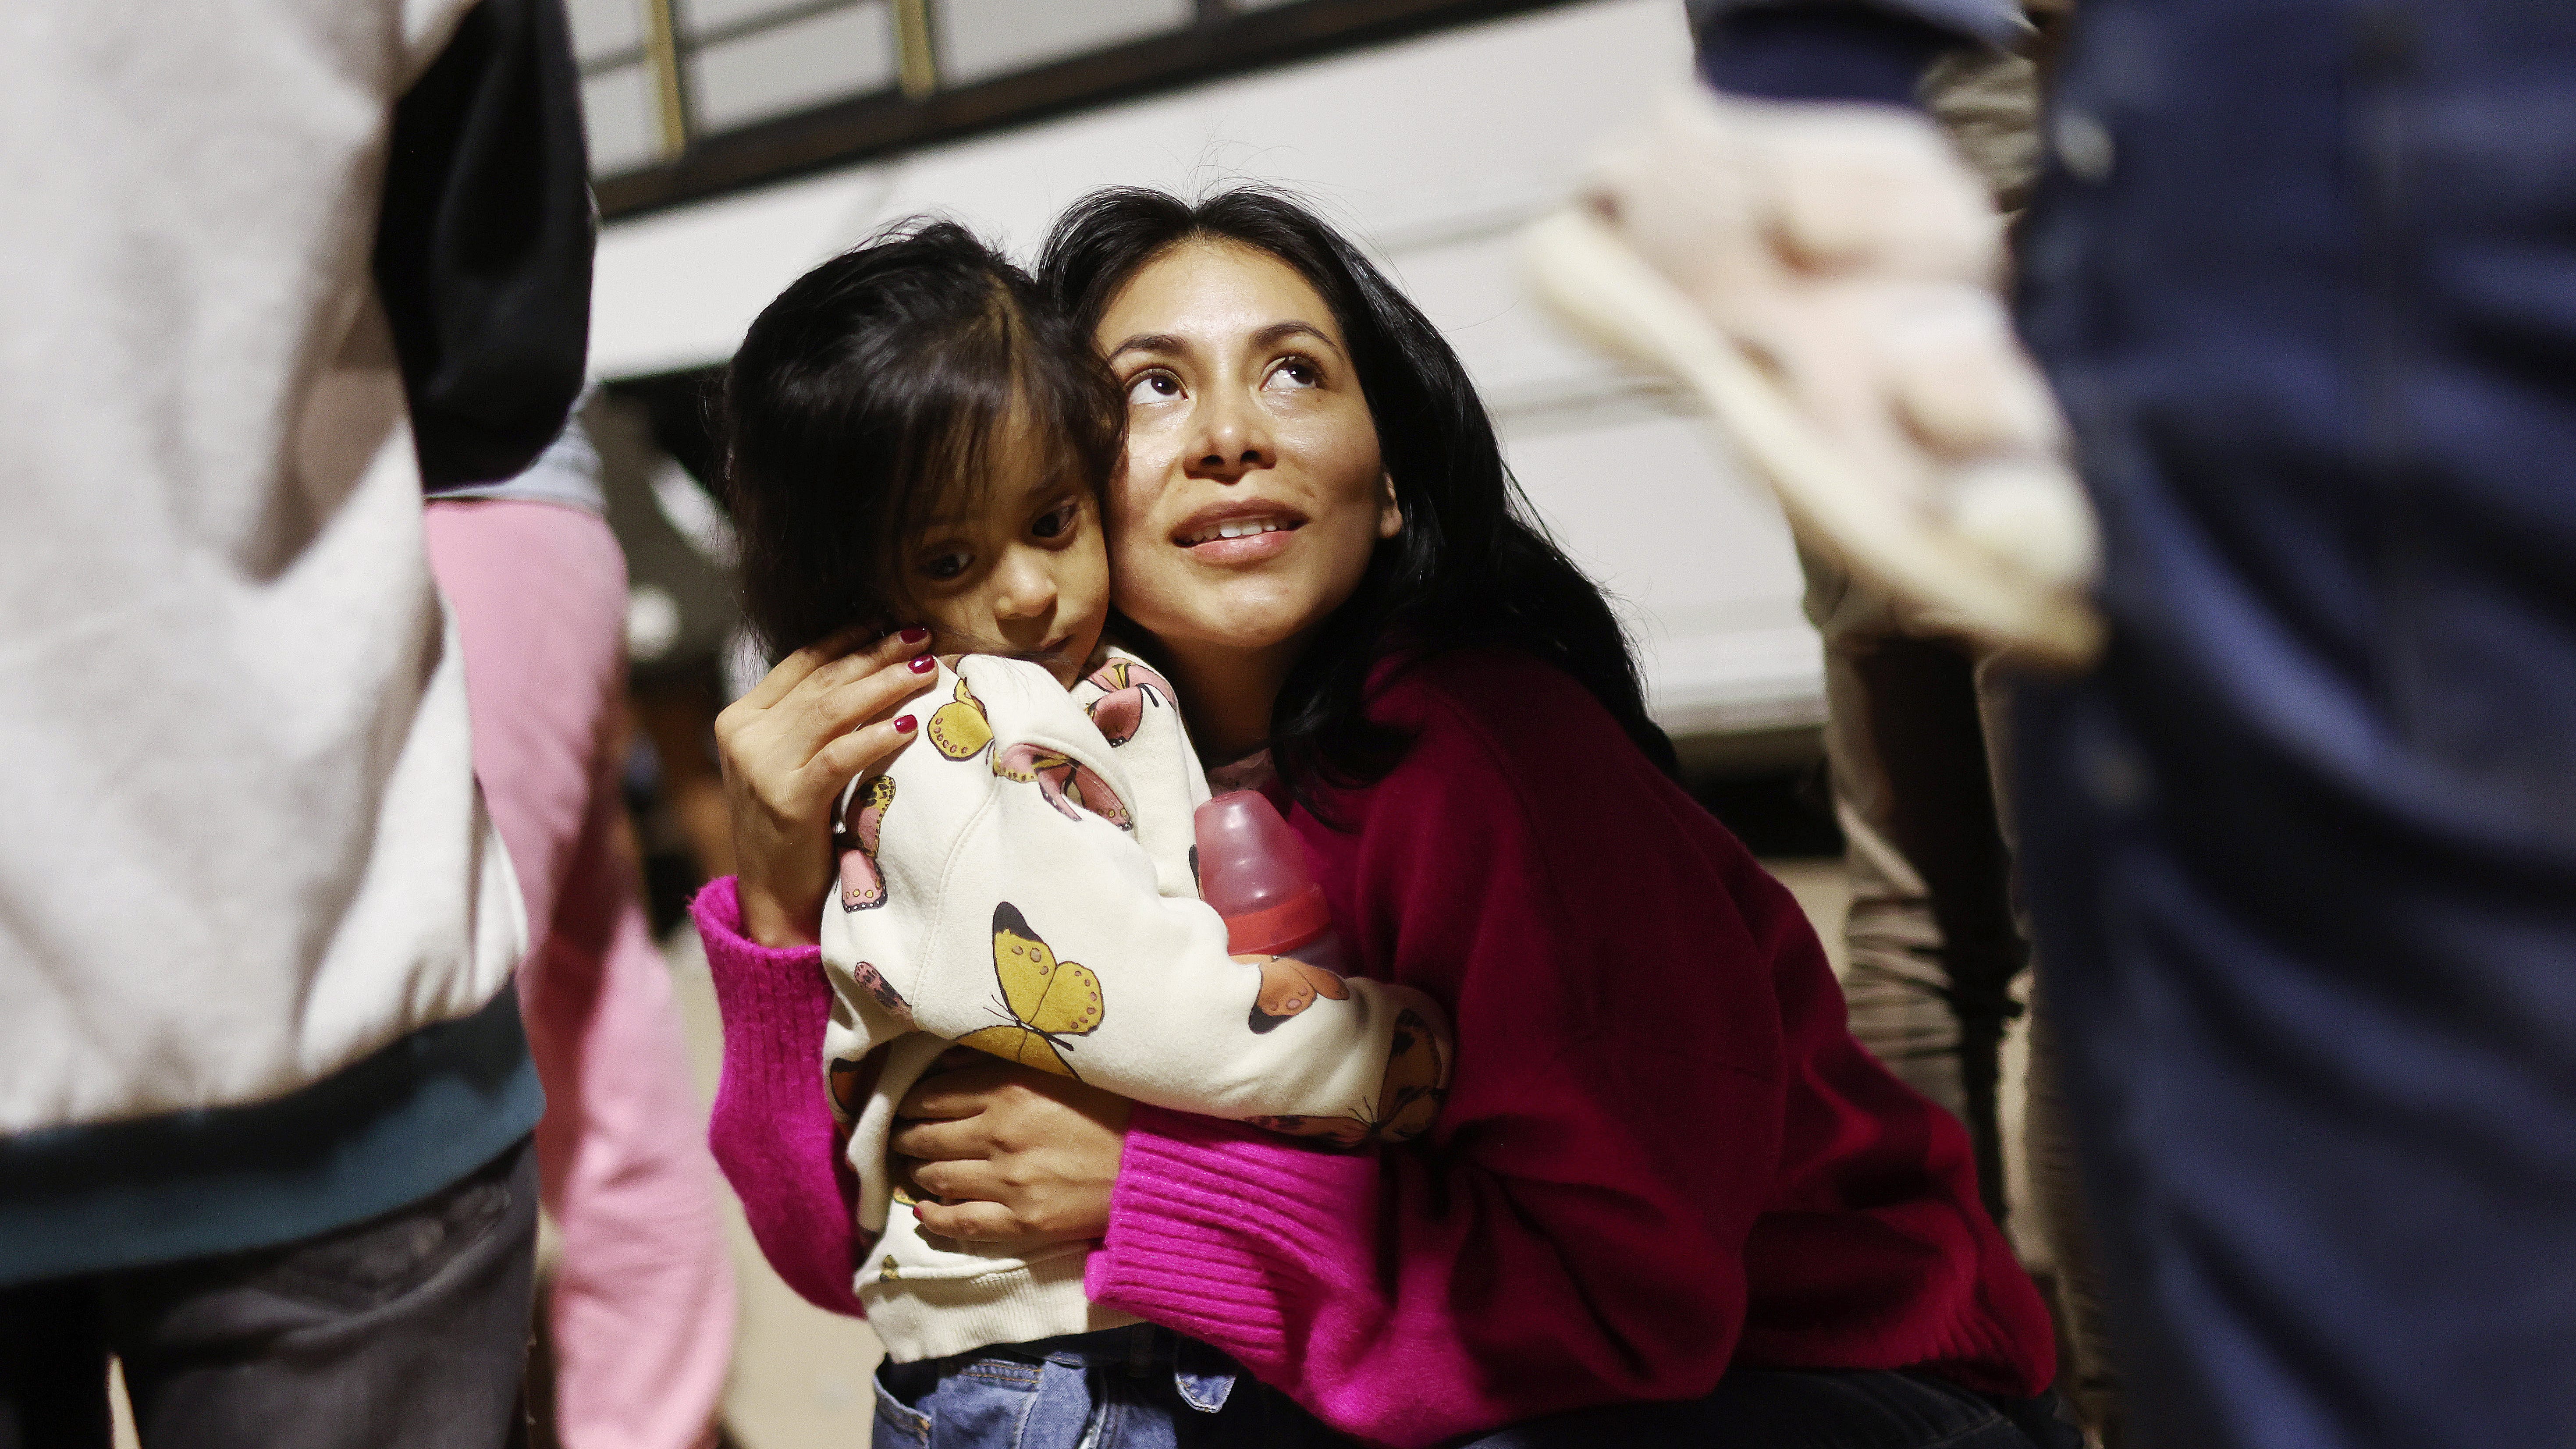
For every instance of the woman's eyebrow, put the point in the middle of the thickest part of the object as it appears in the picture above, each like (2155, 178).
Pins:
(1278, 332)
(1149, 342)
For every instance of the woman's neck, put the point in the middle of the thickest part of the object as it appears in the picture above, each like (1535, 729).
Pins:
(1228, 694)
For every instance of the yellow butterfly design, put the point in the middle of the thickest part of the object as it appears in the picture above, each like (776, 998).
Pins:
(960, 729)
(1048, 999)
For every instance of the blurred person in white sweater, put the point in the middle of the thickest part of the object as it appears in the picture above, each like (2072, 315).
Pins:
(264, 1093)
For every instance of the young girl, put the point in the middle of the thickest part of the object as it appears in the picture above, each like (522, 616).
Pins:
(911, 433)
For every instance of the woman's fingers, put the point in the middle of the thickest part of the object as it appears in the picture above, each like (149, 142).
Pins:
(781, 805)
(958, 1180)
(893, 649)
(1015, 1152)
(792, 670)
(875, 696)
(959, 1092)
(862, 751)
(960, 1139)
(749, 731)
(826, 708)
(973, 1222)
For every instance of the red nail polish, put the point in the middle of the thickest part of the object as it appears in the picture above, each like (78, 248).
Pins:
(924, 664)
(905, 724)
(913, 636)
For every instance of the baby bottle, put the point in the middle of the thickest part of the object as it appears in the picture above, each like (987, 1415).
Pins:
(1252, 869)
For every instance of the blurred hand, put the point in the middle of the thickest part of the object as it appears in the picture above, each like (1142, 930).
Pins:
(823, 717)
(1852, 254)
(1002, 1152)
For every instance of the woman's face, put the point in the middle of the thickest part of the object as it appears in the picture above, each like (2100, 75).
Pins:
(1253, 494)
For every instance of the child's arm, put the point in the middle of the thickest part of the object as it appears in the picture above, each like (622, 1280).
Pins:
(1001, 903)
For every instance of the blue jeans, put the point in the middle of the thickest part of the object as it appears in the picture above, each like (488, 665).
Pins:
(1148, 1388)
(2302, 853)
(1140, 1387)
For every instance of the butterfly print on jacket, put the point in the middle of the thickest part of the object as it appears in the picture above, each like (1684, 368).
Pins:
(1131, 687)
(862, 885)
(960, 730)
(1289, 986)
(1408, 1095)
(1046, 999)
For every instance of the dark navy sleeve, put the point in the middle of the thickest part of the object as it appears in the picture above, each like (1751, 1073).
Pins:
(484, 241)
(1819, 53)
(1996, 22)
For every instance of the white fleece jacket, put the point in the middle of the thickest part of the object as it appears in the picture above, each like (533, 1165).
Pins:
(1022, 880)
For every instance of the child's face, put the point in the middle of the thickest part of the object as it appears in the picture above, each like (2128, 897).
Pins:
(1027, 577)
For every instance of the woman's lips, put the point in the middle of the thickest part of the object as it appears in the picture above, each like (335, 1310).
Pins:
(1255, 538)
(1250, 549)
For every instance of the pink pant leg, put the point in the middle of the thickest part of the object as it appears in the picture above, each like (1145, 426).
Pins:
(643, 1308)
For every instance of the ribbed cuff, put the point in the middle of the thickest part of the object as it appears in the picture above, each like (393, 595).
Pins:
(1229, 1235)
(717, 908)
(770, 1128)
(775, 1003)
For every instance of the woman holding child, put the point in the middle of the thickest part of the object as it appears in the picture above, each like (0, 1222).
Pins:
(1667, 1199)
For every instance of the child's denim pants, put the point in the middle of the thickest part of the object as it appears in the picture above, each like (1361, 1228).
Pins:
(1140, 1387)
(1149, 1388)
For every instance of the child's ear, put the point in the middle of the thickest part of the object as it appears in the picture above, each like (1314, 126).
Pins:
(1390, 513)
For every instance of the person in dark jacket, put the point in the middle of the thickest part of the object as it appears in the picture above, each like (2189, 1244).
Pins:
(2301, 850)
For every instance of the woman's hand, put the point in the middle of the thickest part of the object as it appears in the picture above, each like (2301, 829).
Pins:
(788, 747)
(1012, 1153)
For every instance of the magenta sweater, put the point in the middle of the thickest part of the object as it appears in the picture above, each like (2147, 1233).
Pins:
(1662, 1153)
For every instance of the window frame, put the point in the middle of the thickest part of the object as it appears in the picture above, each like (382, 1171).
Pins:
(1219, 41)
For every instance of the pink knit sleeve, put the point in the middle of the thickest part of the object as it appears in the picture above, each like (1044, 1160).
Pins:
(1270, 1251)
(772, 1128)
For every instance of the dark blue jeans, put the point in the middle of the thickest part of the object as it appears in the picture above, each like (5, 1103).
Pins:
(2302, 853)
(1148, 1388)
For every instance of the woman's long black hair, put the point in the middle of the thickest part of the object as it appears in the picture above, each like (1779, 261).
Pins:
(1470, 568)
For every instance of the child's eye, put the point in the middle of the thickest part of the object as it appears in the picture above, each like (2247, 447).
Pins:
(1056, 524)
(946, 565)
(1294, 372)
(1152, 387)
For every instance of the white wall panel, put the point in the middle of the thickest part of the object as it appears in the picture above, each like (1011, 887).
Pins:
(604, 27)
(1432, 152)
(796, 65)
(617, 115)
(696, 17)
(980, 39)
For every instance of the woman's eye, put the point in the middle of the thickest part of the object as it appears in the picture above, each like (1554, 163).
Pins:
(1056, 524)
(946, 565)
(1153, 387)
(1295, 372)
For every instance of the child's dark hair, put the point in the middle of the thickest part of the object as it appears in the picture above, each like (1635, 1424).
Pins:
(869, 395)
